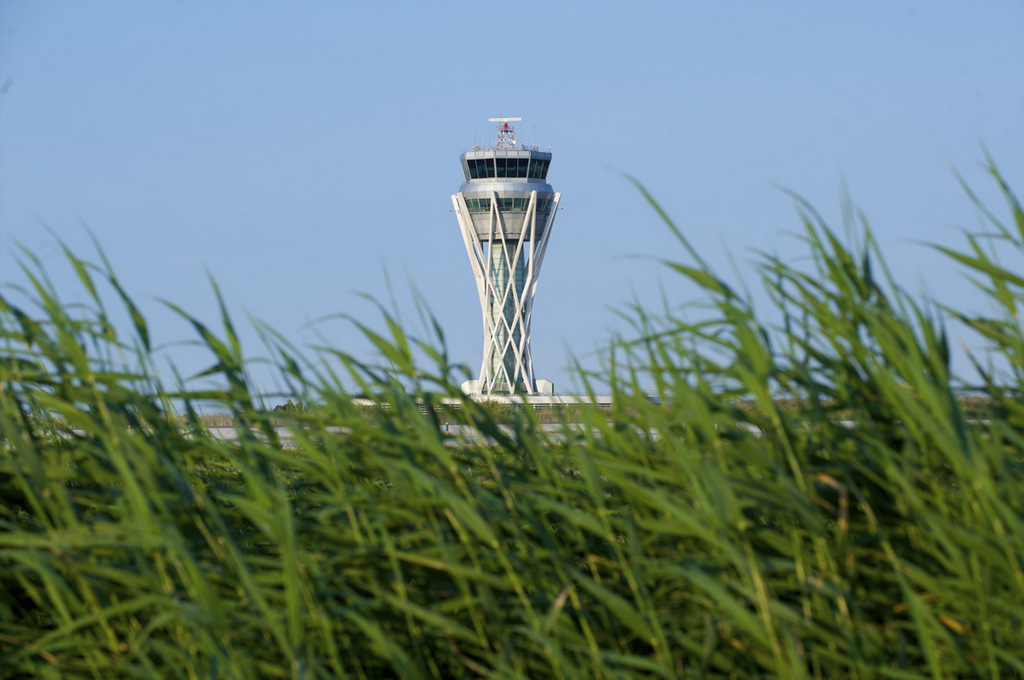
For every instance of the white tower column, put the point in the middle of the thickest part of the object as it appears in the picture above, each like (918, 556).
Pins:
(506, 268)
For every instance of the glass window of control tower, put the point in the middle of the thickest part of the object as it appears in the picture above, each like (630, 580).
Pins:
(477, 168)
(478, 204)
(510, 167)
(484, 168)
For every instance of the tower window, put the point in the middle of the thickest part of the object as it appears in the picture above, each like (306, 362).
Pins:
(477, 205)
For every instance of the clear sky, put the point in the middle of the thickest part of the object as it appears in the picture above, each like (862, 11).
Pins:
(305, 152)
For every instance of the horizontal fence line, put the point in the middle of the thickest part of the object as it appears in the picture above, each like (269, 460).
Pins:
(455, 434)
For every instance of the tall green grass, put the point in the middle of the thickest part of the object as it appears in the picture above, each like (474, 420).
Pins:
(707, 533)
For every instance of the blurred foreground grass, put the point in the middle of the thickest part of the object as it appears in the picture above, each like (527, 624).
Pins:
(664, 540)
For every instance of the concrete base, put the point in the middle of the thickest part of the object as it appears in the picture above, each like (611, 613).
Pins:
(474, 388)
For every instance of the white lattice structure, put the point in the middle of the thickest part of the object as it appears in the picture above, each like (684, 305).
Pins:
(505, 210)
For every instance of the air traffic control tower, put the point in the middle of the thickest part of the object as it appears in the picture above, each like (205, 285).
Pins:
(505, 210)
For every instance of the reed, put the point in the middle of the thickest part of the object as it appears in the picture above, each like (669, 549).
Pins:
(732, 527)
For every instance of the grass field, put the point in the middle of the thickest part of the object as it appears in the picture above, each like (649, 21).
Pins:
(663, 540)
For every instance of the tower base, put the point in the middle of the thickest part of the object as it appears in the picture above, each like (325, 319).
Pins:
(474, 388)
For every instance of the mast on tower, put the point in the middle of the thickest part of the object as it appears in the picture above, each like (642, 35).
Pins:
(506, 133)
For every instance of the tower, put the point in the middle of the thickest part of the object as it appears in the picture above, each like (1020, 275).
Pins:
(505, 211)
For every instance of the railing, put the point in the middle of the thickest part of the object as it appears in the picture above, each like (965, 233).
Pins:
(495, 147)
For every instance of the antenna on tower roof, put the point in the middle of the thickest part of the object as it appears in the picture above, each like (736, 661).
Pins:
(506, 133)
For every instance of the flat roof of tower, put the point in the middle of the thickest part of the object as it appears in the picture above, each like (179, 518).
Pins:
(523, 151)
(506, 140)
(499, 147)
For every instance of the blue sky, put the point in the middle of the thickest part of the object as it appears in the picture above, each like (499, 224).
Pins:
(305, 152)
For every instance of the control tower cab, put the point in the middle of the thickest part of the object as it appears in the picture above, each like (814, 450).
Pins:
(505, 210)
